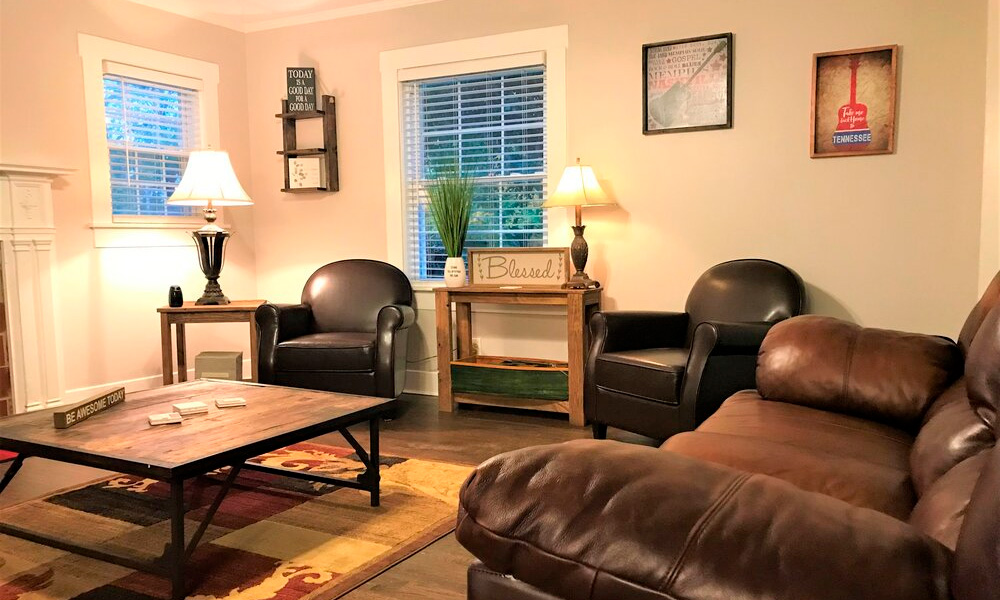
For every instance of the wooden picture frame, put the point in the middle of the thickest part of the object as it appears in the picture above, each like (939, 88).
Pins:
(853, 106)
(523, 267)
(687, 85)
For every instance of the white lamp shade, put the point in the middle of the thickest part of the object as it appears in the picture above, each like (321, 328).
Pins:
(209, 179)
(578, 187)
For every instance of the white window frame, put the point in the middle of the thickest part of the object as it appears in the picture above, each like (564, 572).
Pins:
(508, 50)
(101, 56)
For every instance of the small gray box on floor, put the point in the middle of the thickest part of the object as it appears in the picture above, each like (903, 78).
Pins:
(219, 365)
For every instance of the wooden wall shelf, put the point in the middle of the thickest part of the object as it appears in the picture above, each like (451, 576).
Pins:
(328, 151)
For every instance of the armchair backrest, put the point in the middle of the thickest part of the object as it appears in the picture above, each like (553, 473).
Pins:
(989, 299)
(347, 295)
(745, 290)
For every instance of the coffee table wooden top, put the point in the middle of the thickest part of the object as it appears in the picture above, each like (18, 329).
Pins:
(121, 438)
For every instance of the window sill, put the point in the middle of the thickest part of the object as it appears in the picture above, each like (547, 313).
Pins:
(144, 235)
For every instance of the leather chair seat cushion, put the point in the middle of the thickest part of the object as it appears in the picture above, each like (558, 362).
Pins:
(485, 584)
(335, 351)
(654, 374)
(860, 462)
(941, 510)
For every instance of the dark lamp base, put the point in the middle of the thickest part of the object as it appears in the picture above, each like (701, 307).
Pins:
(213, 294)
(578, 252)
(581, 281)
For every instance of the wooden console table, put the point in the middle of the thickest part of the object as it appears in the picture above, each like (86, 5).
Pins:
(235, 312)
(580, 305)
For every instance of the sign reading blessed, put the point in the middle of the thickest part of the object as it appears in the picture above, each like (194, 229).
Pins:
(301, 89)
(518, 266)
(88, 408)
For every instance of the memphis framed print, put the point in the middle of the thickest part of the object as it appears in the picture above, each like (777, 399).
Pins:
(687, 85)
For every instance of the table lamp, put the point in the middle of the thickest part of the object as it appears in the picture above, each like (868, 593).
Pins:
(209, 181)
(578, 187)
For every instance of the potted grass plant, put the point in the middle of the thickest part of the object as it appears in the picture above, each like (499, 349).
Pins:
(450, 204)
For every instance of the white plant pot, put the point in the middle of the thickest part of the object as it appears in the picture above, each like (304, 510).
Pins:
(454, 271)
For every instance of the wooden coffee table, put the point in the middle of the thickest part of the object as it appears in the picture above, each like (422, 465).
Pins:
(121, 440)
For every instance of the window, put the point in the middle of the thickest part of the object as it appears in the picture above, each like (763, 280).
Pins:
(151, 129)
(146, 111)
(497, 106)
(492, 125)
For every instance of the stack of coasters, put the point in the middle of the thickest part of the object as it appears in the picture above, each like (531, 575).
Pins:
(165, 419)
(230, 402)
(189, 409)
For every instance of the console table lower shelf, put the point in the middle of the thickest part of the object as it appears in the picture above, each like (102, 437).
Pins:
(527, 383)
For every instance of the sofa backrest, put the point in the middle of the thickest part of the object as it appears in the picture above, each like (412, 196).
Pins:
(989, 299)
(829, 364)
(347, 295)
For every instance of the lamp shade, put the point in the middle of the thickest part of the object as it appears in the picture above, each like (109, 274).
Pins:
(209, 180)
(578, 187)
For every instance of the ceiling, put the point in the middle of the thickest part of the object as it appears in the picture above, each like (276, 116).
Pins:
(257, 15)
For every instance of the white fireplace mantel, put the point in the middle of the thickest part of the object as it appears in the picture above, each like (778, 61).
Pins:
(27, 244)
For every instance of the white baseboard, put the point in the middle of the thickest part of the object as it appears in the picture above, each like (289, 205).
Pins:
(131, 385)
(424, 383)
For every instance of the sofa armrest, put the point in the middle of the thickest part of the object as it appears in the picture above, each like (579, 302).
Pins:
(390, 348)
(602, 520)
(275, 324)
(634, 330)
(723, 361)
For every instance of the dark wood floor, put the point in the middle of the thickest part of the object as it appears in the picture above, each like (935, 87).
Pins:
(468, 436)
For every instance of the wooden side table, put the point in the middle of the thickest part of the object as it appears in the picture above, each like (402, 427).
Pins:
(234, 312)
(580, 305)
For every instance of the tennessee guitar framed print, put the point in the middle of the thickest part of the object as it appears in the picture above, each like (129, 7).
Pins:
(687, 85)
(853, 102)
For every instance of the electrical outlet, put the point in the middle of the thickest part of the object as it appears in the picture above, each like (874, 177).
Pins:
(477, 346)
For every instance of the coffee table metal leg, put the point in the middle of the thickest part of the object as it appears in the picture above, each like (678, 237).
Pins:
(374, 477)
(176, 554)
(11, 471)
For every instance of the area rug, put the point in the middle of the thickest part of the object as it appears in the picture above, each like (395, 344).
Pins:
(5, 456)
(273, 537)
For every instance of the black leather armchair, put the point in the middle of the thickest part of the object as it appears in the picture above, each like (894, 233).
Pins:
(348, 334)
(660, 373)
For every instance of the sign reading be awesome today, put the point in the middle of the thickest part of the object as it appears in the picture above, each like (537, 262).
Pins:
(101, 402)
(519, 266)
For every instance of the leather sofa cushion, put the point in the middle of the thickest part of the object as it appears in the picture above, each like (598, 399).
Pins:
(337, 351)
(941, 510)
(485, 584)
(834, 365)
(952, 432)
(982, 376)
(860, 462)
(654, 373)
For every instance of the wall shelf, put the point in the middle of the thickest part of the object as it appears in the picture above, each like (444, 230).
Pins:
(289, 120)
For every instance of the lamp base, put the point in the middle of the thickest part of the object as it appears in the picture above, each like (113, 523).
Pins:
(212, 295)
(211, 244)
(578, 252)
(581, 281)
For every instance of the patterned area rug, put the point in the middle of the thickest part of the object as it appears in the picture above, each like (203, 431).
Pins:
(273, 537)
(5, 456)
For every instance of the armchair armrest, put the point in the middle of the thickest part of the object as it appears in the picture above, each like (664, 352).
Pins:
(604, 521)
(723, 361)
(275, 324)
(635, 330)
(390, 348)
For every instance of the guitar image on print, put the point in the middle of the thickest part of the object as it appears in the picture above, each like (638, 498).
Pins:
(852, 118)
(671, 108)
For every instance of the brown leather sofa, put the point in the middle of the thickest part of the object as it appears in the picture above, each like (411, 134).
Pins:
(863, 467)
(348, 335)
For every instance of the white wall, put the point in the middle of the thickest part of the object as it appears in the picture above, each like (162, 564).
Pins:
(107, 297)
(890, 241)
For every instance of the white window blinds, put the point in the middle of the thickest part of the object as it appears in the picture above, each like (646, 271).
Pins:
(492, 125)
(151, 129)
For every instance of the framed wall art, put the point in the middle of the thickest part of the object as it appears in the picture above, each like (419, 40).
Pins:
(853, 102)
(687, 85)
